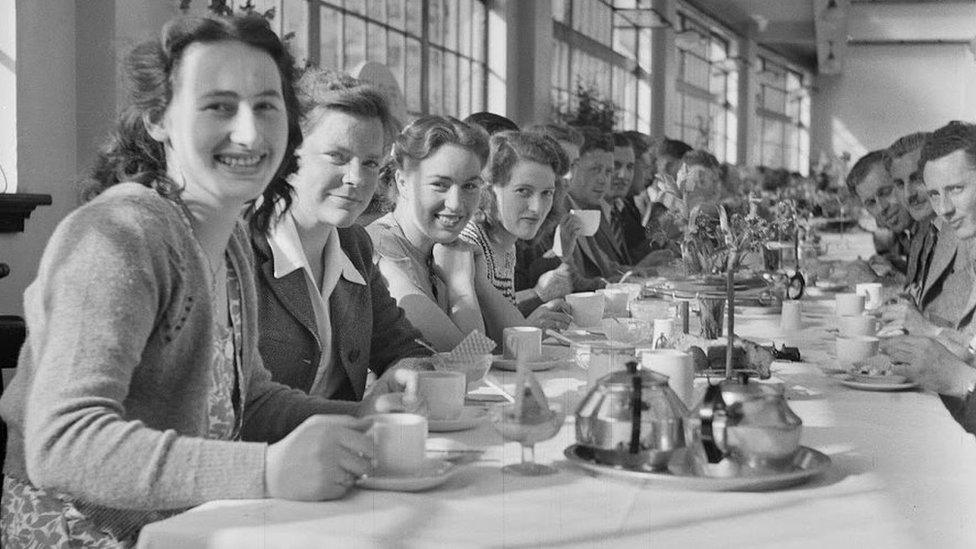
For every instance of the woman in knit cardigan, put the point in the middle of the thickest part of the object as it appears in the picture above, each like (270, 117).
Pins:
(140, 391)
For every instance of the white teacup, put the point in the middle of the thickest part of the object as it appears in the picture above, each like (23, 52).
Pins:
(854, 348)
(864, 325)
(524, 341)
(616, 301)
(587, 308)
(678, 366)
(849, 304)
(873, 294)
(443, 392)
(590, 219)
(399, 443)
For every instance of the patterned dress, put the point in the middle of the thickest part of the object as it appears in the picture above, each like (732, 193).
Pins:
(34, 518)
(501, 262)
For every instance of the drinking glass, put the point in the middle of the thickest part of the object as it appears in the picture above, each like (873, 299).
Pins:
(504, 420)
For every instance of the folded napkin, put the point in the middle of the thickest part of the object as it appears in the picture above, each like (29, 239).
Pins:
(473, 345)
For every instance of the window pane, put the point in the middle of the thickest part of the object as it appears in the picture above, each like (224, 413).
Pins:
(479, 17)
(394, 14)
(435, 82)
(377, 43)
(450, 17)
(330, 36)
(450, 84)
(395, 57)
(465, 36)
(414, 12)
(478, 71)
(294, 18)
(356, 6)
(434, 23)
(376, 9)
(464, 88)
(355, 43)
(412, 89)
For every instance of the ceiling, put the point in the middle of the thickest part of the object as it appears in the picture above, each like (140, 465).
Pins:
(790, 28)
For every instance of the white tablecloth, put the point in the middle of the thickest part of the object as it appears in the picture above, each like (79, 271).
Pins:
(903, 475)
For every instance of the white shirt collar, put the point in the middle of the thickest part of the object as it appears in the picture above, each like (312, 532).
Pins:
(288, 255)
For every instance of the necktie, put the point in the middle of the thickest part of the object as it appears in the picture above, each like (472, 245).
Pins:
(617, 228)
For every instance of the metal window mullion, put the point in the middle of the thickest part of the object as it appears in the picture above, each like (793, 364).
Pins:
(424, 57)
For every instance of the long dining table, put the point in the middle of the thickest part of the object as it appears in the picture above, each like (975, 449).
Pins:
(902, 474)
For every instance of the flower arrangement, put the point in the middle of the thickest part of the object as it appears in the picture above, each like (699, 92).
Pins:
(715, 244)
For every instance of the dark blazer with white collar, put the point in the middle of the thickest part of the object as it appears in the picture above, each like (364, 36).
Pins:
(369, 330)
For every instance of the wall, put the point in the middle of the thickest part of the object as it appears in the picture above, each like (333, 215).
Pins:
(889, 91)
(66, 87)
(8, 96)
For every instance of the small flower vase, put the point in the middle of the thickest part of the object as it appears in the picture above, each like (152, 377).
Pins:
(711, 315)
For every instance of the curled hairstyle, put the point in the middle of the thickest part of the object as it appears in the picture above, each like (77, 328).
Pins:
(863, 167)
(152, 69)
(672, 148)
(507, 150)
(423, 138)
(954, 136)
(323, 90)
(701, 157)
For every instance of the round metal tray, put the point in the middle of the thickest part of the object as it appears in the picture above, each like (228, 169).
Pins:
(807, 463)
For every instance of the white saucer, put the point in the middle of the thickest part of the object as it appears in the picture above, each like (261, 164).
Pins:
(471, 416)
(509, 364)
(848, 381)
(452, 450)
(433, 473)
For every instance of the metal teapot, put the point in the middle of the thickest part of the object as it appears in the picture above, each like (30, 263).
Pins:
(631, 418)
(749, 424)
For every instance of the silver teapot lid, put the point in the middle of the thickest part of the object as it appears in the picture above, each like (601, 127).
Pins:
(649, 378)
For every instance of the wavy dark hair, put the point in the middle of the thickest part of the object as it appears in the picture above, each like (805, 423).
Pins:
(423, 138)
(151, 70)
(508, 148)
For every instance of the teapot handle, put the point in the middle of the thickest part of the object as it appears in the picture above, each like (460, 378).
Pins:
(636, 407)
(713, 406)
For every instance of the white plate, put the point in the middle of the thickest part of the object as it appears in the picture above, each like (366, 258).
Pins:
(847, 380)
(471, 416)
(808, 463)
(433, 473)
(830, 285)
(545, 364)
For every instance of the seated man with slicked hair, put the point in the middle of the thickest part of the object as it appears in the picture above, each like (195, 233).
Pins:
(870, 182)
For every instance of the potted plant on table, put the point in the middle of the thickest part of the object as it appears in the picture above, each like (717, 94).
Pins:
(715, 243)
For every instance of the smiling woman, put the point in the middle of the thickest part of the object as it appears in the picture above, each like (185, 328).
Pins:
(326, 315)
(434, 177)
(521, 173)
(169, 404)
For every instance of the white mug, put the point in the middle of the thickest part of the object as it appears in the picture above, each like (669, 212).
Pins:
(589, 219)
(873, 294)
(443, 392)
(399, 443)
(524, 341)
(849, 304)
(854, 348)
(677, 365)
(865, 325)
(587, 308)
